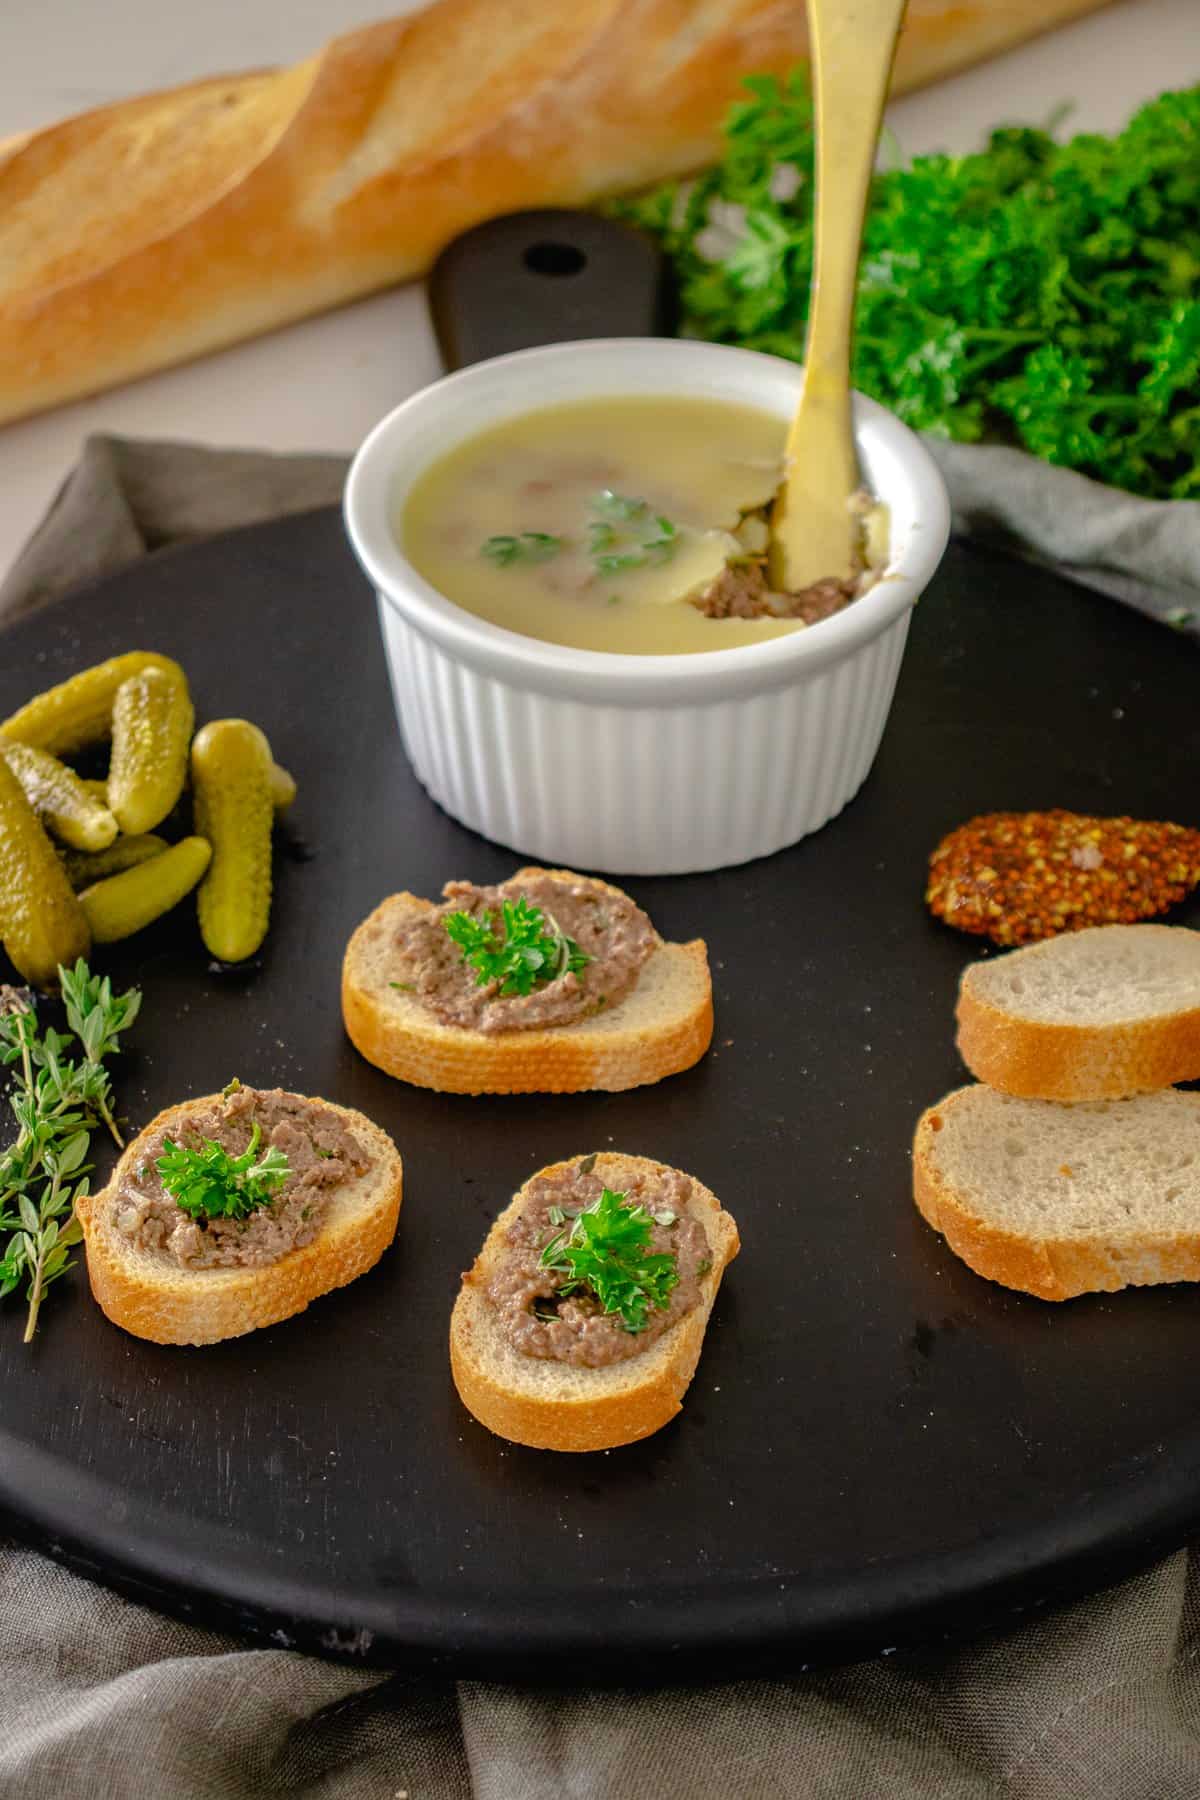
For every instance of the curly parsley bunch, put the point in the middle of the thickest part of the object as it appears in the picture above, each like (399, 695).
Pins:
(1039, 293)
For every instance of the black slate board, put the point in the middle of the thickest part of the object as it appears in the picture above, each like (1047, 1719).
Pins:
(878, 1447)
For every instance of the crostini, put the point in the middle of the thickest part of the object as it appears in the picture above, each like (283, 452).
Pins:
(580, 1325)
(549, 983)
(235, 1211)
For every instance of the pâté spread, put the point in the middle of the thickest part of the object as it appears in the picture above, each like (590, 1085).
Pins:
(538, 1320)
(614, 939)
(321, 1154)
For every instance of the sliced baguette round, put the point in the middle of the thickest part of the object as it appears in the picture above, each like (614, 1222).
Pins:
(556, 1406)
(663, 1026)
(1059, 1200)
(153, 1297)
(1093, 1015)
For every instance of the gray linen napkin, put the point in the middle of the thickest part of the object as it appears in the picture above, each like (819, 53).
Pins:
(129, 496)
(1099, 1701)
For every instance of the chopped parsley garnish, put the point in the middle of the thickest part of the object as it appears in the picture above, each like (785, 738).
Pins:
(605, 1252)
(627, 535)
(1040, 293)
(210, 1184)
(619, 506)
(524, 950)
(526, 546)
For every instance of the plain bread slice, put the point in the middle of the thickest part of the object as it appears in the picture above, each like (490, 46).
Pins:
(1059, 1200)
(1092, 1015)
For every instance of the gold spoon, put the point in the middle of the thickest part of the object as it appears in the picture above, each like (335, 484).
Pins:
(813, 531)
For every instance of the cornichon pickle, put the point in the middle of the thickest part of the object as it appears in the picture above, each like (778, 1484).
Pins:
(61, 800)
(41, 922)
(126, 853)
(231, 783)
(78, 712)
(152, 721)
(118, 907)
(283, 788)
(98, 788)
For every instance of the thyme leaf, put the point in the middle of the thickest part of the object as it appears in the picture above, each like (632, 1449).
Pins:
(58, 1099)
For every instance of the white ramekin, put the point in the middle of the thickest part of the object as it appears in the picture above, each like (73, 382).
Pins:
(651, 765)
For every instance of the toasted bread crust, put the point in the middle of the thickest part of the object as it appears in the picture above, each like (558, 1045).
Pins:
(1039, 1060)
(647, 1392)
(401, 1037)
(153, 230)
(1050, 1268)
(202, 1306)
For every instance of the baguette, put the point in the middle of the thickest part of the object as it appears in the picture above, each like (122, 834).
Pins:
(559, 1406)
(1092, 1015)
(1059, 1200)
(664, 1025)
(157, 229)
(149, 1295)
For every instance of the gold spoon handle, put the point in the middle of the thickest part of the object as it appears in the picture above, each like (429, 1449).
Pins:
(853, 47)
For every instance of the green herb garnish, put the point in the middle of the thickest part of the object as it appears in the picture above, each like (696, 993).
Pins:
(619, 506)
(1038, 293)
(210, 1184)
(523, 951)
(58, 1101)
(97, 1016)
(527, 546)
(626, 536)
(605, 1252)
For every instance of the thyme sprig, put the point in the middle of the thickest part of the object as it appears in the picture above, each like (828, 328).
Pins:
(58, 1099)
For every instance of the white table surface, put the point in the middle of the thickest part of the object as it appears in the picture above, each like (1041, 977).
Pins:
(322, 384)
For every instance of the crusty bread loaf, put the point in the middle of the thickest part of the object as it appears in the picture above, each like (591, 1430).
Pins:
(663, 1026)
(153, 1297)
(153, 230)
(1092, 1015)
(557, 1406)
(1059, 1200)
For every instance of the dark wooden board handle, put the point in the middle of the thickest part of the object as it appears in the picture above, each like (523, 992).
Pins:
(545, 277)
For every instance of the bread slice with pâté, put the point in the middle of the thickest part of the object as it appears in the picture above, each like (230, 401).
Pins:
(149, 1294)
(662, 1026)
(1061, 1199)
(1092, 1015)
(559, 1405)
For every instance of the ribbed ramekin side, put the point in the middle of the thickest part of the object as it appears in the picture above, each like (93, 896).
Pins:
(640, 789)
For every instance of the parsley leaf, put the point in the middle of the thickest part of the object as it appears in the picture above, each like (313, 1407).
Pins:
(528, 546)
(524, 950)
(605, 1252)
(210, 1184)
(1039, 293)
(626, 535)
